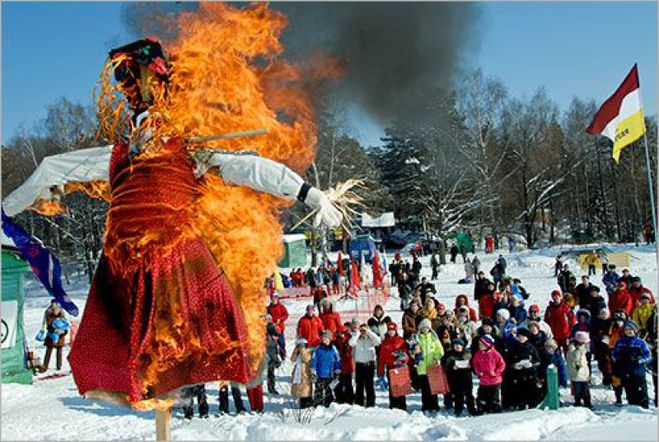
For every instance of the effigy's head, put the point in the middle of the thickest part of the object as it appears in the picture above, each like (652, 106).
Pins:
(139, 68)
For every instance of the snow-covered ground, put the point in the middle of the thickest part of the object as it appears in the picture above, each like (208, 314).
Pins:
(52, 409)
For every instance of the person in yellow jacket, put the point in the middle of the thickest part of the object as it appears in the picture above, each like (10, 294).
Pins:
(428, 352)
(592, 260)
(642, 313)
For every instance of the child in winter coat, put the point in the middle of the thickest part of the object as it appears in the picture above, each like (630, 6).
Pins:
(488, 365)
(577, 365)
(57, 328)
(325, 367)
(630, 357)
(524, 360)
(393, 354)
(465, 327)
(272, 353)
(431, 351)
(615, 333)
(621, 299)
(463, 301)
(642, 314)
(301, 377)
(552, 355)
(486, 302)
(600, 327)
(458, 373)
(344, 391)
(560, 318)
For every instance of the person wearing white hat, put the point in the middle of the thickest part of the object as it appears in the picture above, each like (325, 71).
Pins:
(577, 366)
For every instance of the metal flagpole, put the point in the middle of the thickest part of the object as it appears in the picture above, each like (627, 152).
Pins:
(654, 210)
(651, 191)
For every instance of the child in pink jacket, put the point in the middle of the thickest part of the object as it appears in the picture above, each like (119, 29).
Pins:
(488, 366)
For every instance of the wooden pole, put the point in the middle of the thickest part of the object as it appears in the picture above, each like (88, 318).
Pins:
(163, 419)
(244, 133)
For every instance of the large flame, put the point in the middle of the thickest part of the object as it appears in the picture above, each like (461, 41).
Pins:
(226, 76)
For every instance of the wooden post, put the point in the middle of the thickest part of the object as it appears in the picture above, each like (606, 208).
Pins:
(163, 419)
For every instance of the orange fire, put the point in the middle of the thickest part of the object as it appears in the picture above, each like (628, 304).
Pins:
(225, 77)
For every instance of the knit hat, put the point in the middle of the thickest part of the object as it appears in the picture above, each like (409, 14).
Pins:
(487, 340)
(274, 295)
(556, 293)
(582, 337)
(354, 321)
(487, 321)
(646, 295)
(505, 314)
(522, 331)
(584, 312)
(301, 341)
(534, 308)
(328, 334)
(392, 326)
(604, 313)
(636, 279)
(458, 341)
(631, 324)
(425, 323)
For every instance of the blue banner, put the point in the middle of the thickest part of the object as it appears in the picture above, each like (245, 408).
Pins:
(43, 262)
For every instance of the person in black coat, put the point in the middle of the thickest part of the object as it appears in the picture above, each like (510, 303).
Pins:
(425, 288)
(480, 287)
(594, 303)
(456, 363)
(454, 252)
(582, 292)
(524, 360)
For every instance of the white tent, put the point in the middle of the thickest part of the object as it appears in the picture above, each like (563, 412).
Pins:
(385, 220)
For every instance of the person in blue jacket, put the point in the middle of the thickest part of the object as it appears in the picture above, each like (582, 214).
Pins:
(611, 279)
(325, 367)
(630, 356)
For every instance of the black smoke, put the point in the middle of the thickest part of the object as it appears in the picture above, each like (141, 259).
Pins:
(391, 51)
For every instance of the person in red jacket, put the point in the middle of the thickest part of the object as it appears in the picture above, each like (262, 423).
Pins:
(621, 299)
(637, 290)
(279, 315)
(331, 319)
(310, 327)
(560, 317)
(344, 391)
(487, 301)
(461, 300)
(393, 354)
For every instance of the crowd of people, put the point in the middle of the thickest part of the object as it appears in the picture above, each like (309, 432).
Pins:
(503, 342)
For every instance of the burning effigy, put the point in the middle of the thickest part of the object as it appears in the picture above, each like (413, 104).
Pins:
(192, 228)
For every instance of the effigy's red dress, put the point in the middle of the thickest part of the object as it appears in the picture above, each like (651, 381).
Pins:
(160, 313)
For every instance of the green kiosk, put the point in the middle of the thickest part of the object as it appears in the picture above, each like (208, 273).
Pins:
(12, 332)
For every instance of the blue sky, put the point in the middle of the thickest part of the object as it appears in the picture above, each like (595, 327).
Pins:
(51, 50)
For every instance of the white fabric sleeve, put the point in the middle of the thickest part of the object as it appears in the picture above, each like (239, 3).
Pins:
(258, 173)
(57, 170)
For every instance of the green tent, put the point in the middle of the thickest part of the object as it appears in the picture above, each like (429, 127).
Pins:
(13, 332)
(462, 238)
(295, 251)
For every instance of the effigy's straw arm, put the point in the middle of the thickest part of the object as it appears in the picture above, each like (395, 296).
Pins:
(244, 133)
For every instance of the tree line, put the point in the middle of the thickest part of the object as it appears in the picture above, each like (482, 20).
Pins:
(471, 157)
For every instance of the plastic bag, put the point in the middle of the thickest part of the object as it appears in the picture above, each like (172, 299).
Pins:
(41, 336)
